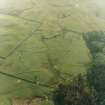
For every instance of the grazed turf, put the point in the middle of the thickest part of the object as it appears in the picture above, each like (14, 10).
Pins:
(23, 53)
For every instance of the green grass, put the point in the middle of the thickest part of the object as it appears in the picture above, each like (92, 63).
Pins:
(30, 56)
(27, 59)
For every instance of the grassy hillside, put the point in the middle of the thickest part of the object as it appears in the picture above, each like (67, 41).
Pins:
(23, 52)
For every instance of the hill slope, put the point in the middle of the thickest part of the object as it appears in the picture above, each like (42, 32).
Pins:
(39, 30)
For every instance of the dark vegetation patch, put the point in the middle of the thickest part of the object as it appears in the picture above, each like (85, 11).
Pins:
(96, 73)
(76, 92)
